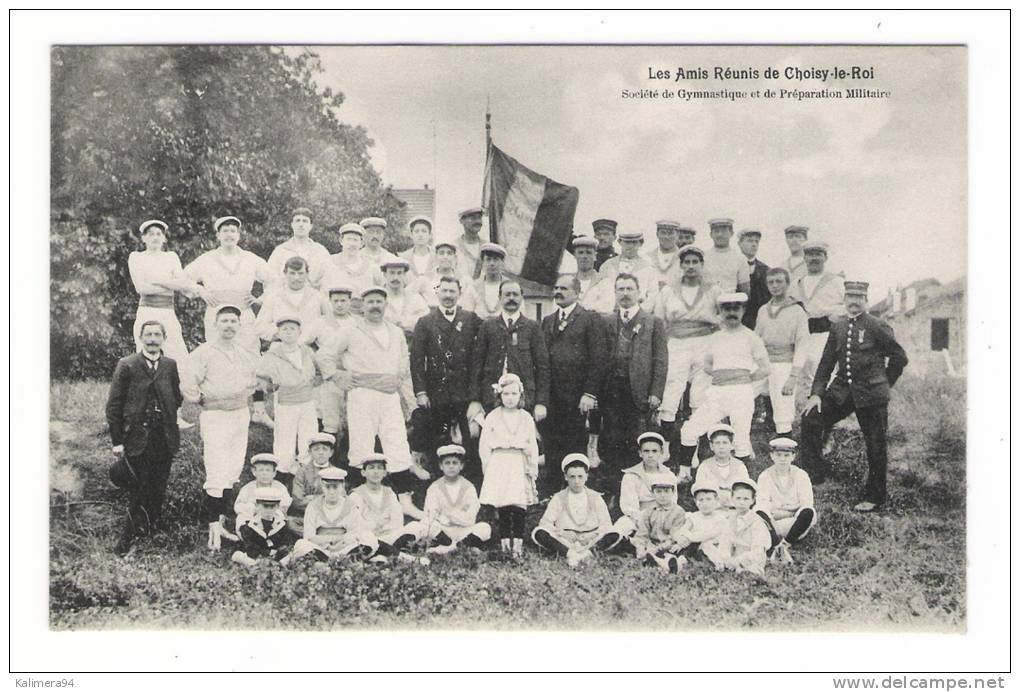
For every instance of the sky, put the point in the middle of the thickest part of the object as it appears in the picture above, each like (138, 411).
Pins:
(884, 182)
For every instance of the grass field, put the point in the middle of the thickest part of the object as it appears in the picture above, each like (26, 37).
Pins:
(903, 569)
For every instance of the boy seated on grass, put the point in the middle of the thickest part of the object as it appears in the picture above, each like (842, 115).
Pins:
(262, 532)
(636, 489)
(660, 526)
(704, 529)
(785, 492)
(721, 469)
(451, 507)
(263, 467)
(382, 513)
(746, 540)
(308, 481)
(331, 529)
(576, 520)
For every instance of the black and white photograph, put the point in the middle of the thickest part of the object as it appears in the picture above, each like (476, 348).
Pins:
(368, 337)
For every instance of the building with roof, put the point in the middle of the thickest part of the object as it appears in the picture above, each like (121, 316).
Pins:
(930, 321)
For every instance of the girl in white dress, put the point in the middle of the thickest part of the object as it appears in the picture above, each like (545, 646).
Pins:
(508, 448)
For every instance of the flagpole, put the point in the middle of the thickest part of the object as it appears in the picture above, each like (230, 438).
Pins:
(488, 126)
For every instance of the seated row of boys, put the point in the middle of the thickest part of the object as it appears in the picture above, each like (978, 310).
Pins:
(738, 525)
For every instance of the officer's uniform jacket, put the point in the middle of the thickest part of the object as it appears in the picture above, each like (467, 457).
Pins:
(866, 358)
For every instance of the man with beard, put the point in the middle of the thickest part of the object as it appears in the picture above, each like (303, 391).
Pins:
(142, 415)
(510, 343)
(301, 245)
(867, 361)
(441, 354)
(575, 338)
(736, 360)
(220, 376)
(632, 388)
(469, 244)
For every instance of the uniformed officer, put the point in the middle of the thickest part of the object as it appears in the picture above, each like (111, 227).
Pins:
(605, 234)
(867, 360)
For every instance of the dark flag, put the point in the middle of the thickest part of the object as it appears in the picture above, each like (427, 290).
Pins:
(530, 215)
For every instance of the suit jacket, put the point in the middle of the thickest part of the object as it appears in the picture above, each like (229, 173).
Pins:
(133, 383)
(648, 359)
(441, 356)
(525, 354)
(577, 355)
(867, 364)
(759, 293)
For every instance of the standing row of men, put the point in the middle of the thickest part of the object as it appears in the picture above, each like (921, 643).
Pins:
(668, 318)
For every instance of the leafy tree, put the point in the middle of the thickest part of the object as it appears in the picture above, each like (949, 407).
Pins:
(185, 134)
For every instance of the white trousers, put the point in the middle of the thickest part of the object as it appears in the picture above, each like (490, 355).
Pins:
(224, 443)
(246, 338)
(173, 345)
(686, 358)
(782, 406)
(371, 413)
(295, 425)
(332, 406)
(735, 401)
(456, 533)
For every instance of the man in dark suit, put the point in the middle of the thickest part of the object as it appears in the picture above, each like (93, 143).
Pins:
(867, 359)
(442, 348)
(633, 386)
(510, 343)
(575, 338)
(605, 234)
(142, 415)
(748, 240)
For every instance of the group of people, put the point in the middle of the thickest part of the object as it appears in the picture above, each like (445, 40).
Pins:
(386, 371)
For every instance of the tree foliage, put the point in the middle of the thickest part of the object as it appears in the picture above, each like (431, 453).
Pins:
(185, 134)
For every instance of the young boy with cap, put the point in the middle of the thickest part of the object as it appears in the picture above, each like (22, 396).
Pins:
(262, 532)
(263, 467)
(785, 492)
(307, 483)
(330, 527)
(660, 526)
(721, 469)
(746, 541)
(704, 529)
(576, 520)
(381, 512)
(736, 360)
(451, 507)
(636, 488)
(288, 370)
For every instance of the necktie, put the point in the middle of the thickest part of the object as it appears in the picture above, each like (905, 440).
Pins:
(563, 320)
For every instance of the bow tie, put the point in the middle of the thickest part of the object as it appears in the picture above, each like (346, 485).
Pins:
(449, 313)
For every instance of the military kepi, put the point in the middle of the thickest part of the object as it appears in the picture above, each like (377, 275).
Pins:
(858, 288)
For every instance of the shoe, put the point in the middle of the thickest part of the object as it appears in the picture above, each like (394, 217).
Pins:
(865, 506)
(379, 560)
(518, 548)
(242, 559)
(784, 555)
(504, 545)
(441, 549)
(407, 557)
(663, 563)
(676, 563)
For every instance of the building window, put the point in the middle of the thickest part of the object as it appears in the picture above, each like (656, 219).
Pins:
(939, 333)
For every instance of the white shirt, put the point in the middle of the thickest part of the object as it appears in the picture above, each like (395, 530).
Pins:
(577, 503)
(811, 283)
(725, 268)
(689, 293)
(380, 332)
(627, 314)
(566, 312)
(511, 320)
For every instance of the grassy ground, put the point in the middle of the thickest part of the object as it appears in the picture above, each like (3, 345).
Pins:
(903, 568)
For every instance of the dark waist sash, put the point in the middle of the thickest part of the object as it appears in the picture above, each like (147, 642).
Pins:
(156, 300)
(817, 325)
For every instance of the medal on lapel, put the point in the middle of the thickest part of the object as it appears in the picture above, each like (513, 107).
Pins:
(860, 337)
(513, 338)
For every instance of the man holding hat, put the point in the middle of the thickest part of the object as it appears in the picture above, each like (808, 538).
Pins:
(631, 262)
(576, 340)
(370, 361)
(725, 267)
(300, 244)
(404, 308)
(220, 376)
(821, 294)
(665, 258)
(227, 275)
(442, 350)
(735, 359)
(141, 412)
(748, 241)
(867, 360)
(375, 231)
(484, 299)
(605, 235)
(469, 244)
(796, 236)
(351, 265)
